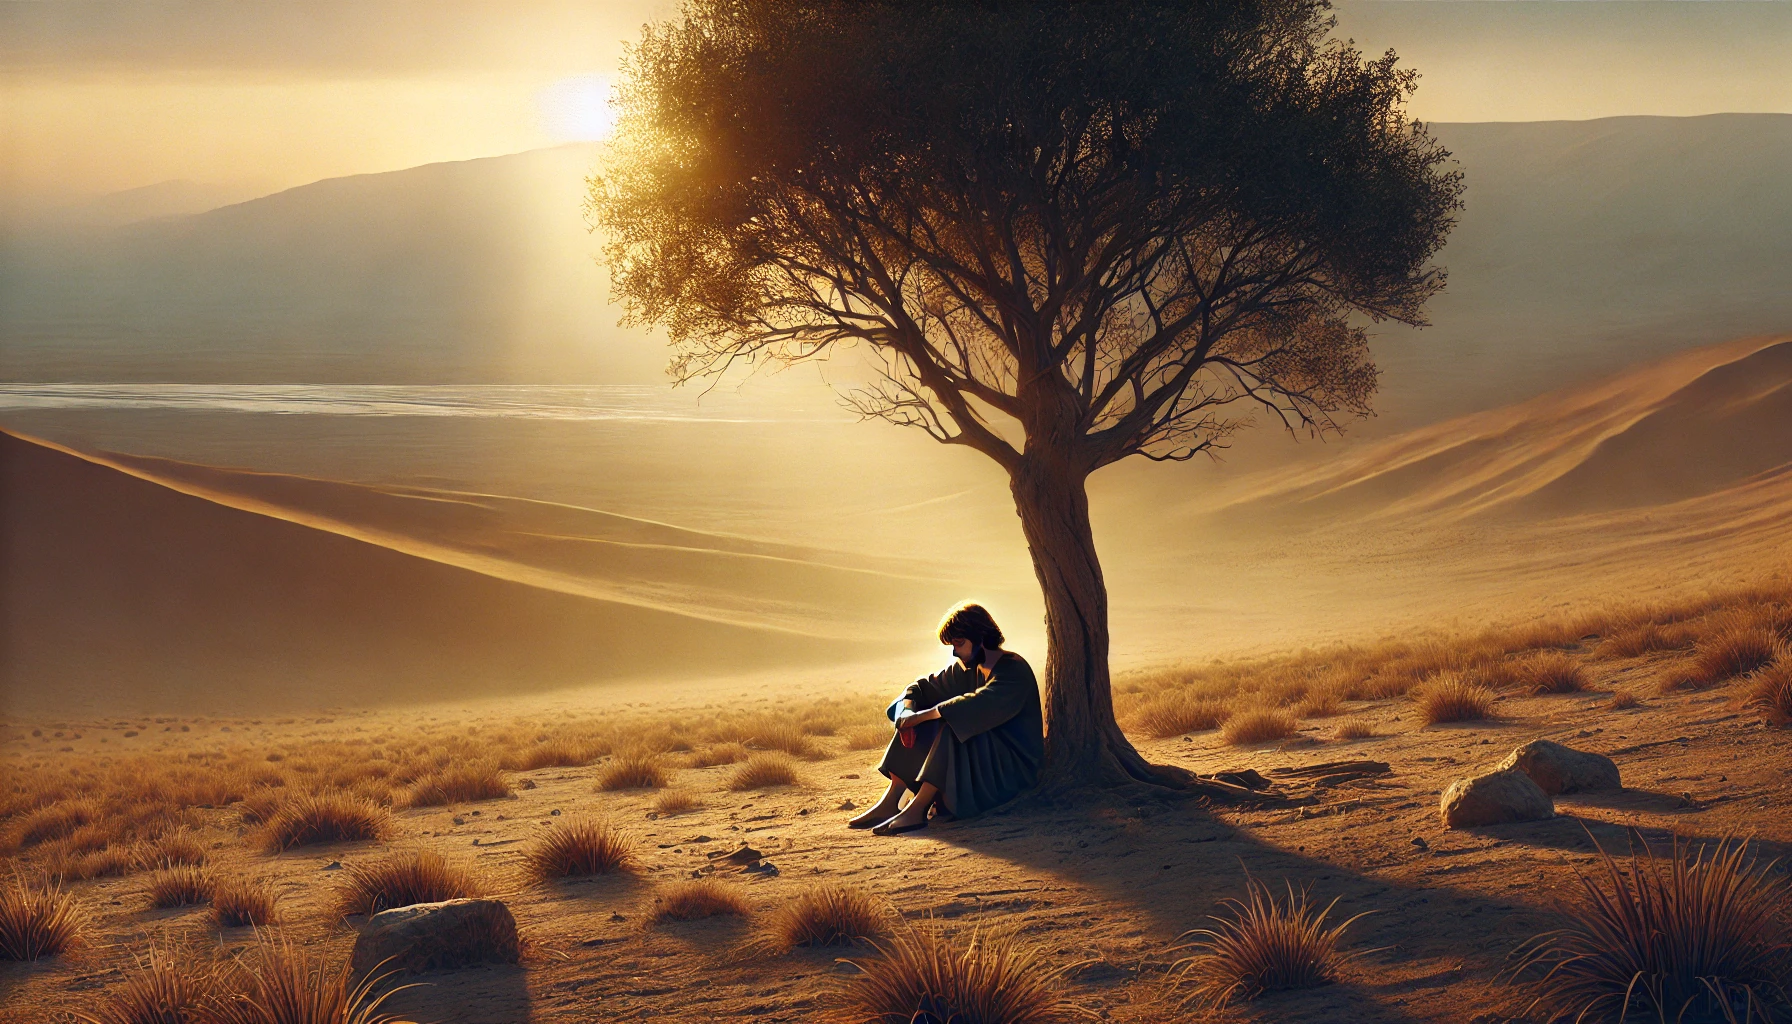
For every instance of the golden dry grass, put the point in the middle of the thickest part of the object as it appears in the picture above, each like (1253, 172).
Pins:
(176, 847)
(1179, 712)
(1770, 692)
(1258, 725)
(1648, 638)
(1736, 647)
(1453, 699)
(280, 984)
(404, 879)
(1622, 700)
(180, 886)
(1355, 729)
(1691, 935)
(325, 818)
(828, 915)
(868, 737)
(1264, 944)
(633, 769)
(762, 771)
(787, 737)
(978, 976)
(577, 848)
(164, 988)
(676, 801)
(459, 784)
(698, 898)
(243, 903)
(37, 920)
(713, 754)
(1551, 672)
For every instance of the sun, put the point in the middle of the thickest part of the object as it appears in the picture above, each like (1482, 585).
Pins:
(578, 109)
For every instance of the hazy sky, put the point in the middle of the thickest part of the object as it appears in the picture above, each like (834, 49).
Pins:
(103, 96)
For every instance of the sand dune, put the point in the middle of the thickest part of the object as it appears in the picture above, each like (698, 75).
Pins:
(1688, 426)
(114, 578)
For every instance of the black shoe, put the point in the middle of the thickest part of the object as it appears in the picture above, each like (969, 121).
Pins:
(887, 829)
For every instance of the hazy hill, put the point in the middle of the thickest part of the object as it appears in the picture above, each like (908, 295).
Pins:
(1585, 246)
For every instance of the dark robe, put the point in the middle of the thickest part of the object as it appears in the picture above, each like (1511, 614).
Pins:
(986, 746)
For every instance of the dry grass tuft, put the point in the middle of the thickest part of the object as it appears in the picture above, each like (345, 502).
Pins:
(57, 821)
(1770, 692)
(789, 738)
(243, 903)
(174, 848)
(579, 848)
(1552, 672)
(1258, 725)
(556, 752)
(325, 818)
(1355, 729)
(633, 769)
(1451, 698)
(1701, 938)
(1735, 648)
(279, 984)
(1267, 945)
(828, 915)
(164, 989)
(986, 977)
(65, 865)
(401, 880)
(1647, 638)
(1179, 712)
(37, 920)
(699, 898)
(676, 801)
(459, 784)
(1319, 704)
(868, 737)
(717, 754)
(762, 771)
(181, 886)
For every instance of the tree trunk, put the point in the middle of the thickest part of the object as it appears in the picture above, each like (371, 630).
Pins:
(1083, 742)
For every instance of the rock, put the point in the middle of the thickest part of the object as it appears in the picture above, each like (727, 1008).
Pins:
(1420, 843)
(744, 855)
(761, 868)
(1558, 769)
(847, 806)
(436, 936)
(1495, 798)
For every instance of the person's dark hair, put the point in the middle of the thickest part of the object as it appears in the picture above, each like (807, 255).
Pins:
(971, 622)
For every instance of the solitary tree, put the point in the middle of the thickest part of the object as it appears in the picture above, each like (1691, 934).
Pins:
(1066, 232)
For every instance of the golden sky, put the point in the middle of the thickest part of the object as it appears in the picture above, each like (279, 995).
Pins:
(104, 96)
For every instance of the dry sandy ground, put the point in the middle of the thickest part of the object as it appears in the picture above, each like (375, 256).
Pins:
(1109, 883)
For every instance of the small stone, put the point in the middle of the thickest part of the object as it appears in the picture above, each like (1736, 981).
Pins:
(761, 868)
(1493, 799)
(849, 776)
(744, 855)
(617, 917)
(555, 813)
(847, 806)
(1420, 842)
(458, 820)
(334, 865)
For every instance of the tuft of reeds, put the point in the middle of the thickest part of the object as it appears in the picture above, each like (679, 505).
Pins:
(402, 880)
(55, 821)
(578, 848)
(676, 801)
(1623, 700)
(988, 976)
(180, 886)
(243, 903)
(174, 848)
(1552, 672)
(698, 898)
(828, 915)
(1266, 944)
(1450, 698)
(762, 771)
(633, 769)
(1647, 638)
(1770, 692)
(717, 754)
(1735, 648)
(1695, 935)
(1355, 729)
(37, 920)
(279, 984)
(1179, 712)
(868, 737)
(164, 989)
(325, 818)
(1258, 725)
(787, 737)
(459, 784)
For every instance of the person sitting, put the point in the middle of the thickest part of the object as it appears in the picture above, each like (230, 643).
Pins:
(968, 737)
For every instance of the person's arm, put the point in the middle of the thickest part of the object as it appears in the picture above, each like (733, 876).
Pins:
(1011, 685)
(928, 690)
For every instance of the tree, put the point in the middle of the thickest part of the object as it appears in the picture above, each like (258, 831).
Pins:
(1067, 233)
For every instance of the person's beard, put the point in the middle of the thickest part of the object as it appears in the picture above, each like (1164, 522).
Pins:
(976, 657)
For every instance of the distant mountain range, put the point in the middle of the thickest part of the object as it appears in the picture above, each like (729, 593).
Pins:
(1585, 246)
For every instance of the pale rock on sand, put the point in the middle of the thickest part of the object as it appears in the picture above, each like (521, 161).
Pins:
(1559, 769)
(436, 936)
(1495, 798)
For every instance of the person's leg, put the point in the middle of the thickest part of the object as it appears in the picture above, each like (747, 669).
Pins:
(883, 809)
(916, 811)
